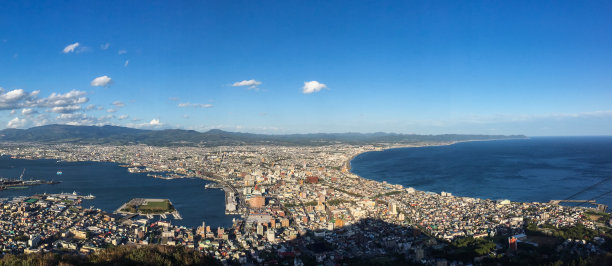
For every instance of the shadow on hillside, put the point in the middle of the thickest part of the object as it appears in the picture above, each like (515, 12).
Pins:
(367, 242)
(376, 242)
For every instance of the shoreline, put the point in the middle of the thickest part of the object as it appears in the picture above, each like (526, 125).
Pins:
(348, 162)
(349, 166)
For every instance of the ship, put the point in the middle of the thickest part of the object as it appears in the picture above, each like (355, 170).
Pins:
(20, 183)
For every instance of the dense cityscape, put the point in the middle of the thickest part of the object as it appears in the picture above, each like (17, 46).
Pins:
(299, 204)
(447, 133)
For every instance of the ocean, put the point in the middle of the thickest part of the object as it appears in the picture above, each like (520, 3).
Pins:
(114, 185)
(537, 169)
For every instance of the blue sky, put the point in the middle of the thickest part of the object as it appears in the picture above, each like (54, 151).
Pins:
(425, 67)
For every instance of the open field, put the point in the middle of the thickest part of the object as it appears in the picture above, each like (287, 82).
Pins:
(148, 206)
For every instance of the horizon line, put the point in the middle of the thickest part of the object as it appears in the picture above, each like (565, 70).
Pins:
(309, 133)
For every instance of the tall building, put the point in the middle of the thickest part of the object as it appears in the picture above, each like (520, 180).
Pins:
(512, 243)
(220, 232)
(285, 222)
(270, 235)
(392, 208)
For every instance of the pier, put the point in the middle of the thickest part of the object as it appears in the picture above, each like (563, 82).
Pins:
(600, 207)
(556, 202)
(232, 204)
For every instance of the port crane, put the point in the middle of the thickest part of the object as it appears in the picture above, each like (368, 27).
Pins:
(21, 176)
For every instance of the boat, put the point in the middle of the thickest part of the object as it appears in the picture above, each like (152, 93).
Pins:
(59, 173)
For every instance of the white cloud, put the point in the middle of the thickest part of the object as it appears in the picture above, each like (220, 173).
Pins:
(73, 97)
(16, 123)
(111, 110)
(15, 99)
(66, 109)
(28, 111)
(118, 104)
(123, 117)
(102, 81)
(12, 96)
(82, 49)
(71, 47)
(120, 52)
(13, 112)
(174, 99)
(127, 62)
(91, 107)
(196, 105)
(105, 46)
(155, 122)
(251, 83)
(40, 120)
(78, 119)
(313, 86)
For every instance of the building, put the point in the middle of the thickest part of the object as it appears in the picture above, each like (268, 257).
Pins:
(392, 208)
(338, 223)
(260, 229)
(285, 222)
(512, 243)
(312, 179)
(270, 235)
(34, 241)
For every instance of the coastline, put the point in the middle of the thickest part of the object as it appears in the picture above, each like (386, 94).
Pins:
(550, 200)
(416, 145)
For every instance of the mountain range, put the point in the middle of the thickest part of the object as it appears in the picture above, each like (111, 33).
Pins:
(115, 135)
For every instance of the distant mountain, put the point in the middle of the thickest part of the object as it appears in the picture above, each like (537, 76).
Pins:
(115, 135)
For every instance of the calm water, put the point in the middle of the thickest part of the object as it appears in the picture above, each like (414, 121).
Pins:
(114, 185)
(535, 169)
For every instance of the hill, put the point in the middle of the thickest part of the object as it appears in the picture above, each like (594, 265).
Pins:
(121, 255)
(115, 135)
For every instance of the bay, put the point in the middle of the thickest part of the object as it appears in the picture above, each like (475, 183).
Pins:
(526, 170)
(113, 185)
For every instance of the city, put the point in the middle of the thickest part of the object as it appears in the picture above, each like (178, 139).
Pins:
(241, 132)
(292, 200)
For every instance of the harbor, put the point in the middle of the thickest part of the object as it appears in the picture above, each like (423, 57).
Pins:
(19, 183)
(113, 186)
(232, 201)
